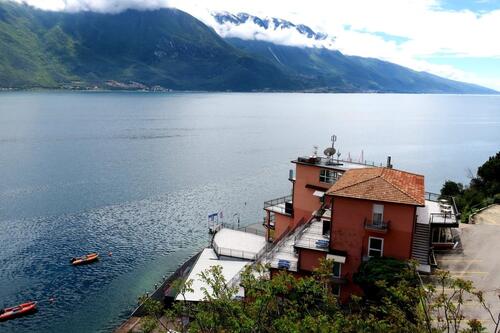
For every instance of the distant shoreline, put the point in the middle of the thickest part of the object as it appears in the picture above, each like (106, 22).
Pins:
(102, 90)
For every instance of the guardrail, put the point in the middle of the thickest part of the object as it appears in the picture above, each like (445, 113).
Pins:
(443, 218)
(432, 196)
(224, 251)
(382, 226)
(313, 243)
(282, 205)
(249, 229)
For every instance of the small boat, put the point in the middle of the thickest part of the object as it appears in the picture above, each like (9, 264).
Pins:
(17, 311)
(86, 259)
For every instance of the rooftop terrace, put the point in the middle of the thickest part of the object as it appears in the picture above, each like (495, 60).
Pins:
(336, 164)
(438, 212)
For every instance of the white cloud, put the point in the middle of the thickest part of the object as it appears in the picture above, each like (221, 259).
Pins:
(429, 29)
(253, 31)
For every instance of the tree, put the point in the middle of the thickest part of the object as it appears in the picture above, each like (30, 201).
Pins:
(489, 175)
(287, 303)
(450, 188)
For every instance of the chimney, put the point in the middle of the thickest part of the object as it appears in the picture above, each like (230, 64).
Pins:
(389, 165)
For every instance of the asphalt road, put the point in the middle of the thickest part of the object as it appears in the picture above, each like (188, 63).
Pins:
(478, 261)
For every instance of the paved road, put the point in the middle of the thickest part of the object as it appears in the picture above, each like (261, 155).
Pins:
(479, 261)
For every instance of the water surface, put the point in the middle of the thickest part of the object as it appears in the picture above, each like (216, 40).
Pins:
(136, 174)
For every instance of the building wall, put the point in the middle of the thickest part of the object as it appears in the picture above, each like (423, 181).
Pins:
(309, 259)
(348, 233)
(281, 224)
(304, 202)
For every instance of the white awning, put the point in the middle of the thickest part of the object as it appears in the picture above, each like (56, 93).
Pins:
(319, 194)
(336, 258)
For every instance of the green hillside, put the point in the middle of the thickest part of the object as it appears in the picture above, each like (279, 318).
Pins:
(325, 69)
(164, 47)
(169, 49)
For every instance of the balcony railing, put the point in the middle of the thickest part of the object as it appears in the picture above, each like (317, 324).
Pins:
(283, 205)
(286, 264)
(443, 219)
(313, 243)
(380, 226)
(342, 279)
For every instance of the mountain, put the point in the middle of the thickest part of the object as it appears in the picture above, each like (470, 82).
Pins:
(268, 23)
(170, 49)
(321, 69)
(164, 47)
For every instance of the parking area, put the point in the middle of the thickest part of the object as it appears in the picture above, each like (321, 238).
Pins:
(478, 260)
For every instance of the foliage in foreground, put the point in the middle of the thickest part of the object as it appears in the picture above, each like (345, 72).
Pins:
(483, 190)
(289, 304)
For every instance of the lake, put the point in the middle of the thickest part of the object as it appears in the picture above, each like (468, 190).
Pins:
(136, 174)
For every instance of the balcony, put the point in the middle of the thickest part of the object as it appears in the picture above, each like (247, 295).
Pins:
(441, 211)
(283, 205)
(312, 237)
(377, 226)
(335, 279)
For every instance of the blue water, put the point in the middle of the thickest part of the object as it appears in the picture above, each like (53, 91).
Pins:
(136, 174)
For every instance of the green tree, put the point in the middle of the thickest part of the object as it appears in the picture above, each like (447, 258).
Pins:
(450, 188)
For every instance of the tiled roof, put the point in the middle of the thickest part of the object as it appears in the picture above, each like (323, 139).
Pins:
(381, 184)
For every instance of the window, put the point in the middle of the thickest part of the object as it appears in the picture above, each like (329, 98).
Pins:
(375, 247)
(336, 290)
(336, 269)
(378, 214)
(328, 176)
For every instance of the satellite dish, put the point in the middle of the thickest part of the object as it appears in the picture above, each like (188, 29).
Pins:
(330, 151)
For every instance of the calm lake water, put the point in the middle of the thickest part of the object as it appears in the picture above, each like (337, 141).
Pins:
(136, 174)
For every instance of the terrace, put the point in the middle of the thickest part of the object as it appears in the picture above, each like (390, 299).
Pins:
(282, 205)
(313, 237)
(438, 211)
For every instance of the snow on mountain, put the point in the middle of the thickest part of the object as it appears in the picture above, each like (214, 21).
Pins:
(269, 29)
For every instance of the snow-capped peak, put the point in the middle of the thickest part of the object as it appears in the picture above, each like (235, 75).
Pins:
(270, 29)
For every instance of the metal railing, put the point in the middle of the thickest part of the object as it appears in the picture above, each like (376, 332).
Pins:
(224, 251)
(443, 218)
(313, 243)
(377, 225)
(282, 205)
(248, 229)
(432, 196)
(437, 197)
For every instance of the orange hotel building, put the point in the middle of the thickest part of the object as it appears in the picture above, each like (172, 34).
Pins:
(350, 212)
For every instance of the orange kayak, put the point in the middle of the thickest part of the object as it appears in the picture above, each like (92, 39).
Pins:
(17, 311)
(86, 259)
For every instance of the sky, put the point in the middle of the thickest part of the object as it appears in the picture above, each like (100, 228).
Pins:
(456, 39)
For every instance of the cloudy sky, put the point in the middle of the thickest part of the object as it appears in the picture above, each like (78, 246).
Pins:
(458, 39)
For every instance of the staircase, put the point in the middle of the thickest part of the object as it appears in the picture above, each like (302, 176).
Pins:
(421, 243)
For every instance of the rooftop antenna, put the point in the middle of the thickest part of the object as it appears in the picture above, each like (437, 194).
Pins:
(315, 151)
(330, 151)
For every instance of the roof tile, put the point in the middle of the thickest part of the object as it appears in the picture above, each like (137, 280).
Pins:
(381, 184)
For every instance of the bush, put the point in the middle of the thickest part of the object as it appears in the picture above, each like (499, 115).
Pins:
(496, 198)
(385, 269)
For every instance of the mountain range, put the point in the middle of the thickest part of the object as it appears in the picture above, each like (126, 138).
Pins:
(170, 49)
